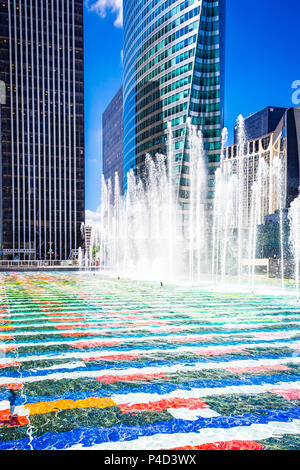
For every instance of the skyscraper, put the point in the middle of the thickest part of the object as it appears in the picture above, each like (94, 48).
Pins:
(41, 64)
(274, 134)
(173, 69)
(112, 134)
(262, 123)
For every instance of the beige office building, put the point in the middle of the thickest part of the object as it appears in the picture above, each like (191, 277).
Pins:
(281, 143)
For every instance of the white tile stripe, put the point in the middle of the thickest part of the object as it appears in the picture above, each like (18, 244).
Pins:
(134, 398)
(122, 340)
(152, 370)
(180, 349)
(98, 373)
(255, 432)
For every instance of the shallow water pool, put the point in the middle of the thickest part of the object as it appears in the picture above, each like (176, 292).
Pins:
(119, 364)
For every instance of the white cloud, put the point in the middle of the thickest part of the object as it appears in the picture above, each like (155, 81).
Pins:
(92, 218)
(103, 6)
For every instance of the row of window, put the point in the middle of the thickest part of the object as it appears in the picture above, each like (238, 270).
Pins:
(206, 82)
(205, 95)
(205, 108)
(162, 32)
(168, 52)
(208, 54)
(161, 116)
(159, 93)
(169, 76)
(167, 101)
(206, 120)
(207, 68)
(175, 85)
(167, 40)
(165, 66)
(183, 31)
(160, 128)
(154, 14)
(180, 145)
(250, 147)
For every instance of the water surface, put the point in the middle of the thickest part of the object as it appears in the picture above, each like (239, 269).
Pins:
(120, 364)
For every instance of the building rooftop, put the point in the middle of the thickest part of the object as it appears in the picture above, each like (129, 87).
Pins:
(261, 123)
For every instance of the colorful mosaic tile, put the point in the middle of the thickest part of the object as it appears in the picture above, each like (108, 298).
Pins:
(91, 362)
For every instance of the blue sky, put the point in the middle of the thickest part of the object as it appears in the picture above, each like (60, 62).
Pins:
(262, 61)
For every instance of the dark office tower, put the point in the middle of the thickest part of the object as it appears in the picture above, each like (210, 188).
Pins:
(41, 63)
(112, 133)
(173, 70)
(262, 123)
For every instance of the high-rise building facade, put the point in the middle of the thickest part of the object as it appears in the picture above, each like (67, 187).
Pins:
(262, 123)
(283, 143)
(112, 136)
(41, 64)
(173, 69)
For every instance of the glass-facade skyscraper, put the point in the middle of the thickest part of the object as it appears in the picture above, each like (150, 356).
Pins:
(173, 69)
(41, 64)
(112, 138)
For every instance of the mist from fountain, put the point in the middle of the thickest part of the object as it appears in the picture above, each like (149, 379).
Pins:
(294, 219)
(258, 201)
(223, 216)
(241, 192)
(235, 224)
(229, 218)
(80, 257)
(197, 227)
(146, 234)
(278, 171)
(143, 234)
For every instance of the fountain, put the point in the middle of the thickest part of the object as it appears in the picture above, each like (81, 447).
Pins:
(278, 171)
(197, 220)
(235, 226)
(258, 200)
(145, 234)
(142, 234)
(230, 217)
(240, 192)
(80, 257)
(294, 218)
(139, 233)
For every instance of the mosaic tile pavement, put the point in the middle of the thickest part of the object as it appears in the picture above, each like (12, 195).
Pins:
(105, 364)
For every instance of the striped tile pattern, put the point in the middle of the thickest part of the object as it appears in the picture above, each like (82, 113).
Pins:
(105, 364)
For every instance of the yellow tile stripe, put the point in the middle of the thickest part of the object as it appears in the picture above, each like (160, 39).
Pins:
(50, 407)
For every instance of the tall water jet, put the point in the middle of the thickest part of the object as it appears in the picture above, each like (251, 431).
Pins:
(141, 233)
(197, 229)
(170, 199)
(80, 257)
(138, 232)
(294, 219)
(229, 224)
(220, 185)
(223, 146)
(258, 201)
(224, 225)
(116, 222)
(241, 193)
(278, 172)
